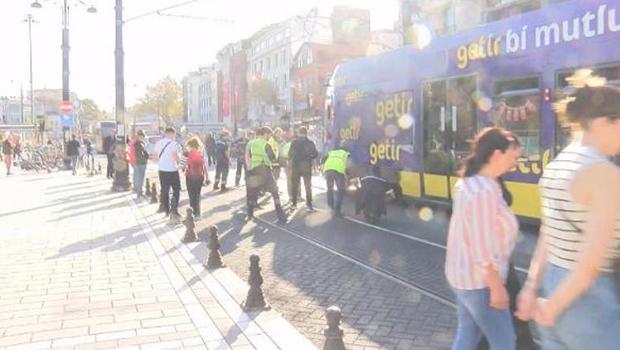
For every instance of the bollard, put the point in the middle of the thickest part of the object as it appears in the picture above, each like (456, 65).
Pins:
(255, 299)
(153, 193)
(214, 261)
(333, 333)
(190, 234)
(148, 187)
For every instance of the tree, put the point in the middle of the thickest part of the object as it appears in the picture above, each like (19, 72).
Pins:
(91, 111)
(264, 91)
(165, 99)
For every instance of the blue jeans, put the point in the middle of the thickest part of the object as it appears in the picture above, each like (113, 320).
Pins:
(592, 322)
(476, 317)
(138, 178)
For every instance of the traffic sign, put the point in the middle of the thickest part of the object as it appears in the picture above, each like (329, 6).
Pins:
(66, 107)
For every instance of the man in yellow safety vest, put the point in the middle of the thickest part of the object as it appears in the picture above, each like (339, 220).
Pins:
(334, 169)
(259, 176)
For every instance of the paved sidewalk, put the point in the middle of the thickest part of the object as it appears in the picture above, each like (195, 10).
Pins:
(83, 268)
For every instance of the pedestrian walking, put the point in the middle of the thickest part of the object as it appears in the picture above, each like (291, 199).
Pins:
(73, 151)
(482, 235)
(274, 142)
(109, 144)
(18, 149)
(210, 148)
(167, 154)
(222, 161)
(239, 147)
(141, 158)
(90, 155)
(285, 164)
(334, 168)
(260, 177)
(301, 155)
(194, 173)
(7, 153)
(570, 290)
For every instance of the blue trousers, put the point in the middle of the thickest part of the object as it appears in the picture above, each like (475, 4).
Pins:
(476, 317)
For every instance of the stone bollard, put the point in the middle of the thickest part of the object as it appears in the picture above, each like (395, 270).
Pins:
(148, 187)
(153, 193)
(190, 234)
(255, 300)
(214, 261)
(333, 333)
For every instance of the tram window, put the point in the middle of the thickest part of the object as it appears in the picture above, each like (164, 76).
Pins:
(517, 108)
(434, 112)
(611, 74)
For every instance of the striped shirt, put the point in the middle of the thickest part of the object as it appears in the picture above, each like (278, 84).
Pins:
(483, 232)
(563, 218)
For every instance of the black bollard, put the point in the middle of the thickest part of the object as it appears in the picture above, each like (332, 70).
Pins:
(153, 193)
(333, 333)
(255, 299)
(190, 234)
(148, 187)
(214, 261)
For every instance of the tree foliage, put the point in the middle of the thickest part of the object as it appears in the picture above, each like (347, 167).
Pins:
(164, 99)
(264, 91)
(91, 111)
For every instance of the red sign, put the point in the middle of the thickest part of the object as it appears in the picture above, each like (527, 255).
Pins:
(66, 107)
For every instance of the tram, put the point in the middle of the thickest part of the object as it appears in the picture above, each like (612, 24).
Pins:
(412, 111)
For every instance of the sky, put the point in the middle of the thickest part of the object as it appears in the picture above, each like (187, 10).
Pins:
(155, 46)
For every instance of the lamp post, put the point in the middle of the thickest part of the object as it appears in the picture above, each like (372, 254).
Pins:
(121, 165)
(66, 94)
(30, 20)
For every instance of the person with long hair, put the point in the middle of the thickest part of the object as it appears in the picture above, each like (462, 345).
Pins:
(195, 173)
(570, 290)
(482, 235)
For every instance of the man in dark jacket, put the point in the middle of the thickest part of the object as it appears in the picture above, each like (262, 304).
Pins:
(301, 155)
(139, 169)
(370, 198)
(222, 161)
(239, 146)
(73, 151)
(108, 148)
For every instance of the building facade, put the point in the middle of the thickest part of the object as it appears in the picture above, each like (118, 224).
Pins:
(198, 96)
(269, 57)
(312, 67)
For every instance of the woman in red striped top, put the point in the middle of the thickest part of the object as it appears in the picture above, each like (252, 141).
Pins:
(482, 235)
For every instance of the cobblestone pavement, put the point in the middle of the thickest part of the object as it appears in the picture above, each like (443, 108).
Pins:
(301, 280)
(83, 268)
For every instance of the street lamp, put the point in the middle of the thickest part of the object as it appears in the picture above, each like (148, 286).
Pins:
(66, 95)
(121, 165)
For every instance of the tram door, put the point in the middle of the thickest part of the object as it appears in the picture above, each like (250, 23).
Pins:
(449, 116)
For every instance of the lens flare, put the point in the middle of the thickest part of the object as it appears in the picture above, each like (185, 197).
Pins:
(426, 214)
(405, 121)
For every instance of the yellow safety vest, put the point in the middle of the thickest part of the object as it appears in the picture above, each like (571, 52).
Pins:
(336, 161)
(286, 148)
(274, 147)
(258, 156)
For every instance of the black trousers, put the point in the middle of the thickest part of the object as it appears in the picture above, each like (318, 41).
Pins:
(335, 178)
(221, 172)
(168, 180)
(240, 168)
(194, 186)
(261, 179)
(298, 174)
(110, 170)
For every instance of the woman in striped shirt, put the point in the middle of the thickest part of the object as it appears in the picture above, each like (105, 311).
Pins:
(482, 235)
(580, 233)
